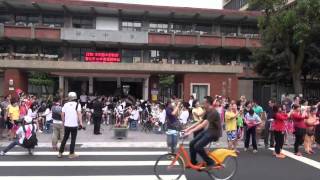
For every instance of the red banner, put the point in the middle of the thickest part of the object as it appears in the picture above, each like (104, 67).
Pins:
(102, 57)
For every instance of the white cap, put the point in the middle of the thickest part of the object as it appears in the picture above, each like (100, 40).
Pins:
(28, 119)
(72, 95)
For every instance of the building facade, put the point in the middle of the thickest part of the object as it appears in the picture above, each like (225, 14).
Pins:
(98, 47)
(243, 5)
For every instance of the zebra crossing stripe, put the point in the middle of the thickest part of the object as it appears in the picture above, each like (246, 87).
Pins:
(121, 177)
(305, 160)
(93, 153)
(79, 163)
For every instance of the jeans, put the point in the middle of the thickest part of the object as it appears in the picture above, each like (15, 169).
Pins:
(11, 145)
(67, 131)
(268, 134)
(299, 134)
(279, 138)
(48, 125)
(197, 146)
(251, 132)
(96, 123)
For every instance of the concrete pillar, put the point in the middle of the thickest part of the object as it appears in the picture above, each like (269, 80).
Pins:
(67, 21)
(145, 88)
(239, 30)
(118, 82)
(90, 85)
(61, 86)
(66, 86)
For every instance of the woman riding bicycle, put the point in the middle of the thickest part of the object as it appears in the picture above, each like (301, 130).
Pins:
(211, 124)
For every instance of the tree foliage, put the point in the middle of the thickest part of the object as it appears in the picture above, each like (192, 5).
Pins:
(290, 42)
(166, 80)
(40, 79)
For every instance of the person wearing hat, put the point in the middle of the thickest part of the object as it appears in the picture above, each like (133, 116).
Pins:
(24, 132)
(72, 119)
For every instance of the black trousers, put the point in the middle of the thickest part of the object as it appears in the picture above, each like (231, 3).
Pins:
(96, 124)
(299, 134)
(67, 131)
(279, 138)
(197, 146)
(197, 132)
(251, 132)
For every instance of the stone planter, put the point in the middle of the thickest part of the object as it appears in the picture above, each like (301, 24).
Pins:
(120, 132)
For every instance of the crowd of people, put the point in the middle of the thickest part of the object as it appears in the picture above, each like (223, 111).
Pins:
(242, 120)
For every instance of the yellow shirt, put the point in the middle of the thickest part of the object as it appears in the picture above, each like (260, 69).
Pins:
(196, 112)
(230, 121)
(14, 113)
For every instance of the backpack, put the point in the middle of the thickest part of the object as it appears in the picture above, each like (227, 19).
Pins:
(32, 141)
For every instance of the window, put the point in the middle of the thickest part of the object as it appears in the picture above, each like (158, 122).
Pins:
(53, 20)
(27, 19)
(229, 30)
(249, 29)
(181, 28)
(157, 56)
(4, 48)
(52, 52)
(158, 27)
(227, 57)
(26, 49)
(200, 90)
(203, 28)
(130, 56)
(5, 18)
(82, 22)
(131, 25)
(203, 57)
(78, 54)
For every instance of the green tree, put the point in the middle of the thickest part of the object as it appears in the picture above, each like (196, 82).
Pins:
(287, 35)
(41, 79)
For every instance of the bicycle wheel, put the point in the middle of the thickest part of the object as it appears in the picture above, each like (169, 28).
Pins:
(227, 171)
(165, 171)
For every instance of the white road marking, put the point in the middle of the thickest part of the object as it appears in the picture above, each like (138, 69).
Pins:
(93, 153)
(302, 159)
(131, 177)
(78, 163)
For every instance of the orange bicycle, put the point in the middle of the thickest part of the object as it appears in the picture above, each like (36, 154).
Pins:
(173, 165)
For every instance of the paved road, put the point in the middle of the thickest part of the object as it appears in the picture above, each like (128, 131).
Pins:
(137, 163)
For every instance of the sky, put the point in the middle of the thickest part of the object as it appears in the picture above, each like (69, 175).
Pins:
(210, 4)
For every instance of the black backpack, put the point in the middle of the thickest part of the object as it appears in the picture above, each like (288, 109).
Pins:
(32, 141)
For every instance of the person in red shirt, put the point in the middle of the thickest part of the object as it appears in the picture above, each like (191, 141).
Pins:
(279, 128)
(299, 127)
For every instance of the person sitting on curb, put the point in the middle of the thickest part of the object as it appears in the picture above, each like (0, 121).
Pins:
(27, 137)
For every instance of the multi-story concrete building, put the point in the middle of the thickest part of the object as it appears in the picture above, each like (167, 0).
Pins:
(97, 47)
(242, 5)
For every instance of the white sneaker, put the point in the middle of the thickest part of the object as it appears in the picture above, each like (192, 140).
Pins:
(40, 131)
(2, 153)
(245, 149)
(88, 123)
(255, 151)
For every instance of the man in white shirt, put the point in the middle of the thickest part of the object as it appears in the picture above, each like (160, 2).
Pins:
(71, 115)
